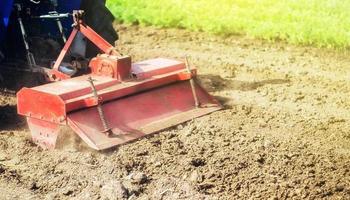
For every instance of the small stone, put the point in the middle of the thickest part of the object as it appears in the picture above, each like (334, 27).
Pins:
(139, 178)
(67, 191)
(274, 180)
(298, 192)
(2, 169)
(157, 164)
(151, 34)
(195, 177)
(339, 188)
(320, 183)
(132, 197)
(3, 156)
(114, 190)
(273, 198)
(197, 162)
(33, 186)
(299, 98)
(260, 159)
(97, 184)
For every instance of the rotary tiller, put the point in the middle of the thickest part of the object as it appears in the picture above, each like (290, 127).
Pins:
(117, 102)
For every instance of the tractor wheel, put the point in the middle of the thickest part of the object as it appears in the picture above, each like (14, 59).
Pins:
(100, 19)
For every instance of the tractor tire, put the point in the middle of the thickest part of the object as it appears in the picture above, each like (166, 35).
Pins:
(100, 19)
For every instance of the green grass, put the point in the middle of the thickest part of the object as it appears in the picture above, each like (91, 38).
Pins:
(321, 23)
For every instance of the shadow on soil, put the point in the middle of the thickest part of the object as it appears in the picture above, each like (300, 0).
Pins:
(9, 119)
(216, 83)
(10, 83)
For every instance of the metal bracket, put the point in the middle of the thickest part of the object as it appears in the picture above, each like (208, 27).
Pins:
(193, 88)
(106, 130)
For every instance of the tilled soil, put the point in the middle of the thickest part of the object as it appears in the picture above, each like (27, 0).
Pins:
(283, 133)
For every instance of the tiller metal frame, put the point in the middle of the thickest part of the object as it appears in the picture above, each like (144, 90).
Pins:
(117, 102)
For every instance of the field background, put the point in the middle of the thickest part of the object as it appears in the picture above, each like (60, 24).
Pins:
(320, 23)
(284, 132)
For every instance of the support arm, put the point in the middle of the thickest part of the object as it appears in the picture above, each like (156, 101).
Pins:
(90, 34)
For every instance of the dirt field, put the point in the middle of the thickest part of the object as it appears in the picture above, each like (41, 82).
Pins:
(284, 132)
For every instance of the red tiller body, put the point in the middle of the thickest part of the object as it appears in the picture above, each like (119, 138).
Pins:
(117, 102)
(157, 88)
(51, 102)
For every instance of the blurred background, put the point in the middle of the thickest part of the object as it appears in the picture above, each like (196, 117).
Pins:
(321, 23)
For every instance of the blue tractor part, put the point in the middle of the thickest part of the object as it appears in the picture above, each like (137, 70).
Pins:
(33, 32)
(63, 6)
(5, 11)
